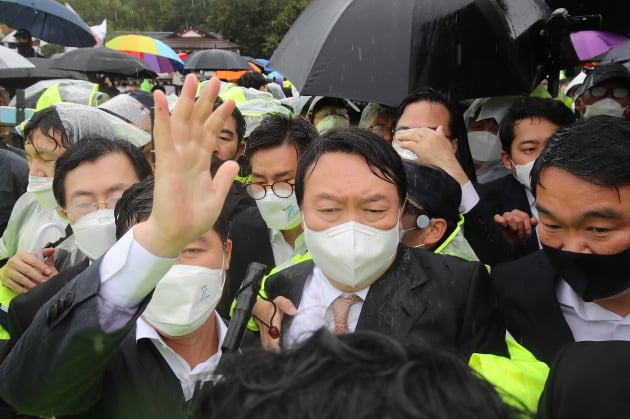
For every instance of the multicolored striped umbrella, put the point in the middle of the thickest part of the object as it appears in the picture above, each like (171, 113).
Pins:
(159, 56)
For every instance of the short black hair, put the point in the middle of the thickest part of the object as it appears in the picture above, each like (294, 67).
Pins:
(136, 204)
(456, 124)
(361, 375)
(276, 130)
(381, 158)
(48, 122)
(241, 125)
(596, 150)
(532, 107)
(90, 149)
(252, 79)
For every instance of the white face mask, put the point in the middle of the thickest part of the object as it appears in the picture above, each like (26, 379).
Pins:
(484, 146)
(403, 152)
(352, 254)
(523, 172)
(184, 299)
(606, 106)
(41, 188)
(95, 233)
(332, 121)
(279, 213)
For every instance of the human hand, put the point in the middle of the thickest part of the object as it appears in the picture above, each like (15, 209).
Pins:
(186, 199)
(265, 319)
(24, 270)
(515, 225)
(434, 148)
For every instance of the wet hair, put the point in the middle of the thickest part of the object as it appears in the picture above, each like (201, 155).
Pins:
(532, 107)
(47, 121)
(252, 79)
(277, 130)
(381, 158)
(596, 150)
(361, 375)
(136, 204)
(456, 124)
(90, 149)
(241, 125)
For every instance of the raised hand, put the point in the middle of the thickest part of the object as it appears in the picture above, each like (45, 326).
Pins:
(186, 199)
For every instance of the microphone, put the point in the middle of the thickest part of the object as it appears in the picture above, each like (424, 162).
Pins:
(245, 300)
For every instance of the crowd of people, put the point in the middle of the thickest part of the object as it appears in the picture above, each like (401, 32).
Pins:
(440, 259)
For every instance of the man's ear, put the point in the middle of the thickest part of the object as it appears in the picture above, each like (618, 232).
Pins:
(239, 151)
(507, 160)
(228, 254)
(63, 213)
(580, 106)
(435, 231)
(455, 144)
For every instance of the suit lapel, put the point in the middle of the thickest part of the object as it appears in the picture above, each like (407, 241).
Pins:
(395, 301)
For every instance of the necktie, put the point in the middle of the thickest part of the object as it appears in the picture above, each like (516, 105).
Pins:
(341, 308)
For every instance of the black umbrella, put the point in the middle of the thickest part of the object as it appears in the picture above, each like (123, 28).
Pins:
(363, 50)
(47, 20)
(41, 71)
(216, 59)
(103, 60)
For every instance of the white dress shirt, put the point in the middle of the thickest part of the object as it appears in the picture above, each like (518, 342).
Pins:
(470, 198)
(534, 211)
(282, 251)
(589, 320)
(314, 311)
(128, 273)
(187, 377)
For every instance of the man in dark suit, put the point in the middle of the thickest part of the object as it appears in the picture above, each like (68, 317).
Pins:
(270, 232)
(360, 277)
(87, 352)
(576, 288)
(528, 124)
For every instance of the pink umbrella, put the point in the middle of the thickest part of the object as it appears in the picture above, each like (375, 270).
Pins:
(589, 44)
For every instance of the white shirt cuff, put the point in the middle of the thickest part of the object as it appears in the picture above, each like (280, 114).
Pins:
(129, 272)
(470, 198)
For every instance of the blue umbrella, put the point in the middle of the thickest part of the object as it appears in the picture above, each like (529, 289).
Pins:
(47, 20)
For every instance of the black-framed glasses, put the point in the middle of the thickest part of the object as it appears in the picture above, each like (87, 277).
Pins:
(281, 189)
(617, 92)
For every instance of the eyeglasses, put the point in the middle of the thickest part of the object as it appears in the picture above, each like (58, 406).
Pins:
(281, 189)
(85, 208)
(381, 130)
(617, 92)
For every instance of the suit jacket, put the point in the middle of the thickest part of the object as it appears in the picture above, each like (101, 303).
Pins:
(588, 380)
(250, 243)
(485, 237)
(506, 194)
(69, 366)
(443, 299)
(526, 291)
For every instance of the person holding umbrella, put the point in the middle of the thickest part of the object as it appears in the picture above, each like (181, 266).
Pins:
(24, 42)
(606, 91)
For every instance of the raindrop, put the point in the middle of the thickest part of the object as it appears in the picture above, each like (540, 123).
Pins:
(360, 54)
(459, 54)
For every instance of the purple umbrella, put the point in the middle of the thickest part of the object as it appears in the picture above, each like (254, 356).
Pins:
(590, 44)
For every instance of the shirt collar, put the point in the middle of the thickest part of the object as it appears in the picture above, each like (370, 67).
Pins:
(328, 292)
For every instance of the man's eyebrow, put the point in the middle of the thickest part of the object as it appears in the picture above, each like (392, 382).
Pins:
(227, 131)
(544, 210)
(605, 213)
(328, 196)
(373, 198)
(529, 142)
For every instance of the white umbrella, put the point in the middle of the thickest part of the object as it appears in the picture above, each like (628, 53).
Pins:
(11, 59)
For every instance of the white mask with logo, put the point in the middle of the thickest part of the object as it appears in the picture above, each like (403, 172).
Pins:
(95, 233)
(352, 254)
(606, 106)
(523, 172)
(41, 188)
(279, 213)
(484, 146)
(184, 299)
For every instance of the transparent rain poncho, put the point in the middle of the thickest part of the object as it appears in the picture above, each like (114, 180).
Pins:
(370, 113)
(130, 109)
(457, 245)
(255, 110)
